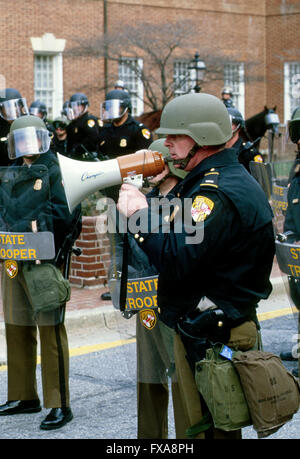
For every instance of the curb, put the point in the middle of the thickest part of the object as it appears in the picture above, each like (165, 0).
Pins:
(105, 316)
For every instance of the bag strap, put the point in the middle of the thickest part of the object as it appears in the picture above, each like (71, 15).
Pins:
(205, 424)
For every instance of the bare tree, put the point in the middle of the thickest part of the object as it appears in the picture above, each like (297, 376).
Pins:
(159, 45)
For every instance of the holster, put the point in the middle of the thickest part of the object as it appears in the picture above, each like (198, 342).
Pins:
(199, 330)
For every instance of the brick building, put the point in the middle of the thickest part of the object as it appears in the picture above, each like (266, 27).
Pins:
(252, 46)
(256, 43)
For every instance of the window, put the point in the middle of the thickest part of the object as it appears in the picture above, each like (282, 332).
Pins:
(234, 77)
(48, 74)
(291, 88)
(129, 72)
(183, 77)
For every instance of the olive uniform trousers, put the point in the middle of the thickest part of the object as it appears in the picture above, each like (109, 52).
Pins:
(244, 337)
(21, 339)
(155, 361)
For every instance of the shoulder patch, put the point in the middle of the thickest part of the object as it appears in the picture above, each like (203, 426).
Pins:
(210, 179)
(258, 159)
(201, 208)
(146, 133)
(91, 123)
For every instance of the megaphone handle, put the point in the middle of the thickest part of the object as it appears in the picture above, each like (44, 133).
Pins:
(124, 275)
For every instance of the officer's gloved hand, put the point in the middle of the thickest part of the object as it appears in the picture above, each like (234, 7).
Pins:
(212, 324)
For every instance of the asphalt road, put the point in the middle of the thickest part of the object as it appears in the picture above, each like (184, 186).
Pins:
(103, 394)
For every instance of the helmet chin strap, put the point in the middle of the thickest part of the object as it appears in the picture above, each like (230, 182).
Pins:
(184, 162)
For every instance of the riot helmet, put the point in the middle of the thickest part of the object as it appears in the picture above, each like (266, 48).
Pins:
(294, 126)
(227, 90)
(28, 136)
(65, 107)
(12, 105)
(60, 122)
(236, 118)
(159, 145)
(116, 104)
(203, 117)
(38, 108)
(119, 84)
(78, 105)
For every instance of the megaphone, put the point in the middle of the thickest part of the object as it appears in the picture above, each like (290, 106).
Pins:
(82, 178)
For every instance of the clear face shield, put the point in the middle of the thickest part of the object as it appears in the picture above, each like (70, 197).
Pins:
(13, 109)
(112, 109)
(28, 141)
(75, 110)
(35, 111)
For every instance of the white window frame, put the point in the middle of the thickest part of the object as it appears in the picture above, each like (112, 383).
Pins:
(234, 76)
(52, 47)
(291, 88)
(182, 72)
(132, 82)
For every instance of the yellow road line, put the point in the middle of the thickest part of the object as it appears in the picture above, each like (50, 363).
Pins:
(273, 314)
(89, 349)
(121, 342)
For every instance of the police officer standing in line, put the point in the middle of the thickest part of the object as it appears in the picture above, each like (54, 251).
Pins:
(83, 131)
(120, 135)
(157, 343)
(231, 265)
(38, 108)
(246, 150)
(28, 145)
(12, 105)
(226, 95)
(292, 218)
(59, 139)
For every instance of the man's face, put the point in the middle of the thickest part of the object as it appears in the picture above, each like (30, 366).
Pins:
(179, 145)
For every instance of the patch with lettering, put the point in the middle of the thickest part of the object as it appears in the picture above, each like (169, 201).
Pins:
(11, 268)
(201, 208)
(148, 318)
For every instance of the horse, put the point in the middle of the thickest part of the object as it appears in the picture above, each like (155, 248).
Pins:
(150, 119)
(257, 125)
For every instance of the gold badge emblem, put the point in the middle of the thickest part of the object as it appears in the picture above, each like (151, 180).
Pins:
(258, 159)
(148, 318)
(146, 133)
(38, 184)
(76, 130)
(123, 143)
(11, 268)
(201, 208)
(100, 122)
(91, 123)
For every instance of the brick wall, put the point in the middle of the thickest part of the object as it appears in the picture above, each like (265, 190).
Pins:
(90, 268)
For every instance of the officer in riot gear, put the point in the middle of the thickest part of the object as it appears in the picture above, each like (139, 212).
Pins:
(226, 95)
(157, 342)
(120, 135)
(226, 271)
(245, 149)
(12, 105)
(59, 139)
(292, 218)
(83, 130)
(28, 146)
(38, 108)
(294, 130)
